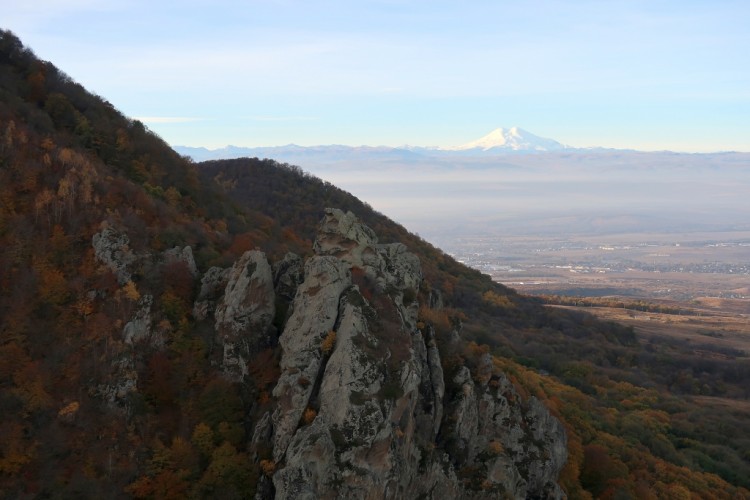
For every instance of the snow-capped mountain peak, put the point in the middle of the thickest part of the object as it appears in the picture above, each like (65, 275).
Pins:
(514, 139)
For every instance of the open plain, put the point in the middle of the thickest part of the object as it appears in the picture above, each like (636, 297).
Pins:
(701, 279)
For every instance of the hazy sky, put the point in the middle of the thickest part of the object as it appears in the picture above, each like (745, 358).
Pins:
(628, 74)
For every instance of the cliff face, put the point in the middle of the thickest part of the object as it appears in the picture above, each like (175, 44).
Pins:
(363, 406)
(363, 409)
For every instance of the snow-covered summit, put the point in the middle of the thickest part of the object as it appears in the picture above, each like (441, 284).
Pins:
(514, 139)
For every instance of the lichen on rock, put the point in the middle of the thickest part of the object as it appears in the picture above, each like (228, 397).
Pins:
(183, 256)
(371, 415)
(245, 312)
(139, 327)
(111, 248)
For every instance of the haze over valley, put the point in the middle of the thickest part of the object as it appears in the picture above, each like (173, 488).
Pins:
(521, 196)
(512, 190)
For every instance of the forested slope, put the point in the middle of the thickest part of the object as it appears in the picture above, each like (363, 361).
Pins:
(604, 364)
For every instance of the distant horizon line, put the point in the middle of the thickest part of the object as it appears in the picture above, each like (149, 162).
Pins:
(513, 131)
(408, 147)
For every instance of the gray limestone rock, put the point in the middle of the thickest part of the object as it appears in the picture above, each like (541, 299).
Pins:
(111, 248)
(341, 234)
(122, 381)
(435, 299)
(437, 382)
(392, 268)
(370, 415)
(245, 312)
(139, 328)
(213, 284)
(288, 273)
(523, 446)
(315, 311)
(182, 255)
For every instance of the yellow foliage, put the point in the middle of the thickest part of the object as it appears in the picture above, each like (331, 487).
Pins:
(84, 307)
(309, 415)
(264, 397)
(131, 291)
(437, 317)
(30, 389)
(476, 350)
(203, 438)
(268, 467)
(70, 409)
(495, 447)
(53, 287)
(328, 342)
(674, 491)
(498, 300)
(172, 196)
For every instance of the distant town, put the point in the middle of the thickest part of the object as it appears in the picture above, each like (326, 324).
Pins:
(572, 266)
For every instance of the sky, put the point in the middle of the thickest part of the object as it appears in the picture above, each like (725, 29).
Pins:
(648, 75)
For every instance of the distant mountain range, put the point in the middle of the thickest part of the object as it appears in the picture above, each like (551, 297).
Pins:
(500, 141)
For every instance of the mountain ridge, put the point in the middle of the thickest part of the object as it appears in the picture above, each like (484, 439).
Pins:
(499, 141)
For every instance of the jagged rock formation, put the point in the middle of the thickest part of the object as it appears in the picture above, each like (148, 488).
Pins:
(122, 381)
(184, 256)
(139, 327)
(111, 248)
(213, 283)
(288, 275)
(363, 406)
(244, 315)
(362, 402)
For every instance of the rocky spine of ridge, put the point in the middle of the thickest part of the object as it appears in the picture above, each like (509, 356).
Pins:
(363, 409)
(363, 406)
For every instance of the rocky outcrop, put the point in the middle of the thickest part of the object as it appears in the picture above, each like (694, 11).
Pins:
(363, 406)
(432, 384)
(245, 312)
(518, 446)
(363, 409)
(342, 235)
(315, 311)
(288, 274)
(139, 327)
(184, 256)
(111, 249)
(120, 383)
(213, 284)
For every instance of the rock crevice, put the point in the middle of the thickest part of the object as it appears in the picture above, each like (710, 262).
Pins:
(384, 423)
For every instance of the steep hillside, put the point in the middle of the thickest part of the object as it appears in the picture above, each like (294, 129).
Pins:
(612, 374)
(159, 339)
